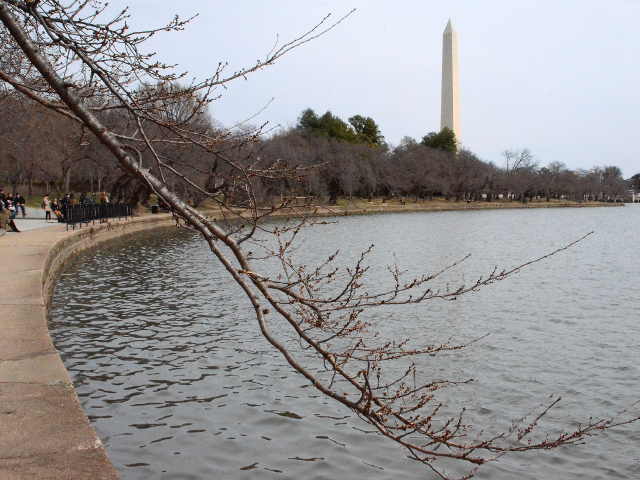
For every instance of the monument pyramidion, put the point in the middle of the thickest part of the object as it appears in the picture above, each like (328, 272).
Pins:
(450, 113)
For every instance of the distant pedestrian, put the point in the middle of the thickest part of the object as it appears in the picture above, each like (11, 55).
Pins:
(6, 220)
(85, 199)
(46, 204)
(103, 207)
(10, 207)
(55, 208)
(163, 206)
(64, 202)
(19, 204)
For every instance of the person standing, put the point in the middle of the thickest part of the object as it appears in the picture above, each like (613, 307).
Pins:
(46, 204)
(65, 201)
(103, 207)
(19, 204)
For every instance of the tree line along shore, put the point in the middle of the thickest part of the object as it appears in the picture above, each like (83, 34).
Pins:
(380, 205)
(320, 157)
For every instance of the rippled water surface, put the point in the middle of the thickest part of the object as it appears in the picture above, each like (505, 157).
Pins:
(172, 370)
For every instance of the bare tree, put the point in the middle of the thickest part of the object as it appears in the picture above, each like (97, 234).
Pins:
(551, 179)
(611, 183)
(420, 166)
(85, 69)
(520, 173)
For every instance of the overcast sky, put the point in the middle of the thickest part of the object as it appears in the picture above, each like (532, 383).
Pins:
(559, 78)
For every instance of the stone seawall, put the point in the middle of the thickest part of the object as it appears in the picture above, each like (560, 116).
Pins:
(44, 433)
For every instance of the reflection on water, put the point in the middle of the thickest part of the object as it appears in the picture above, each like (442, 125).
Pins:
(173, 373)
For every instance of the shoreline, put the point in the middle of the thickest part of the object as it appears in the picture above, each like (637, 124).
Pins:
(377, 207)
(44, 432)
(448, 206)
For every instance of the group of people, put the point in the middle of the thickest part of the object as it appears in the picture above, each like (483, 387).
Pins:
(59, 206)
(9, 206)
(53, 206)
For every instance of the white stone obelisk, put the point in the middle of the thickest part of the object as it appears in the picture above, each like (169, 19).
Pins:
(450, 115)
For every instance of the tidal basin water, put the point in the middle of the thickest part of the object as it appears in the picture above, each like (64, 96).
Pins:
(171, 369)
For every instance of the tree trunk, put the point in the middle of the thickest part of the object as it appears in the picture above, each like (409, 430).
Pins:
(67, 179)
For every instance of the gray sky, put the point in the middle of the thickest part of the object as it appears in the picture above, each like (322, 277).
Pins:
(559, 78)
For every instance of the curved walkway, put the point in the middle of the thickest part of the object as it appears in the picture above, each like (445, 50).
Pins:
(44, 434)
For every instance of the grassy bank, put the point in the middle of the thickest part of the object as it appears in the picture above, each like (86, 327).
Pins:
(379, 206)
(436, 205)
(363, 207)
(440, 204)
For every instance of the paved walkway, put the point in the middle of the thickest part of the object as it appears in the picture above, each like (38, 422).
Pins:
(43, 430)
(44, 433)
(27, 224)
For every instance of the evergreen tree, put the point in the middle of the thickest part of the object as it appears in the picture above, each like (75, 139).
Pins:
(328, 125)
(445, 140)
(367, 131)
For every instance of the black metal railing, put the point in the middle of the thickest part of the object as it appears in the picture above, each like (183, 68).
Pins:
(85, 213)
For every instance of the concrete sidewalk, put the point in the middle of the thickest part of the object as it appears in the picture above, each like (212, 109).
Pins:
(43, 430)
(44, 433)
(27, 224)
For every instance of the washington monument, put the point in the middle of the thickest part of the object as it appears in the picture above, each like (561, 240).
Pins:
(450, 116)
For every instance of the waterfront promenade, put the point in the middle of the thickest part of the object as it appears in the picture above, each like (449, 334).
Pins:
(44, 433)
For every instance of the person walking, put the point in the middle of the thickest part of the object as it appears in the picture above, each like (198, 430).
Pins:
(19, 204)
(46, 204)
